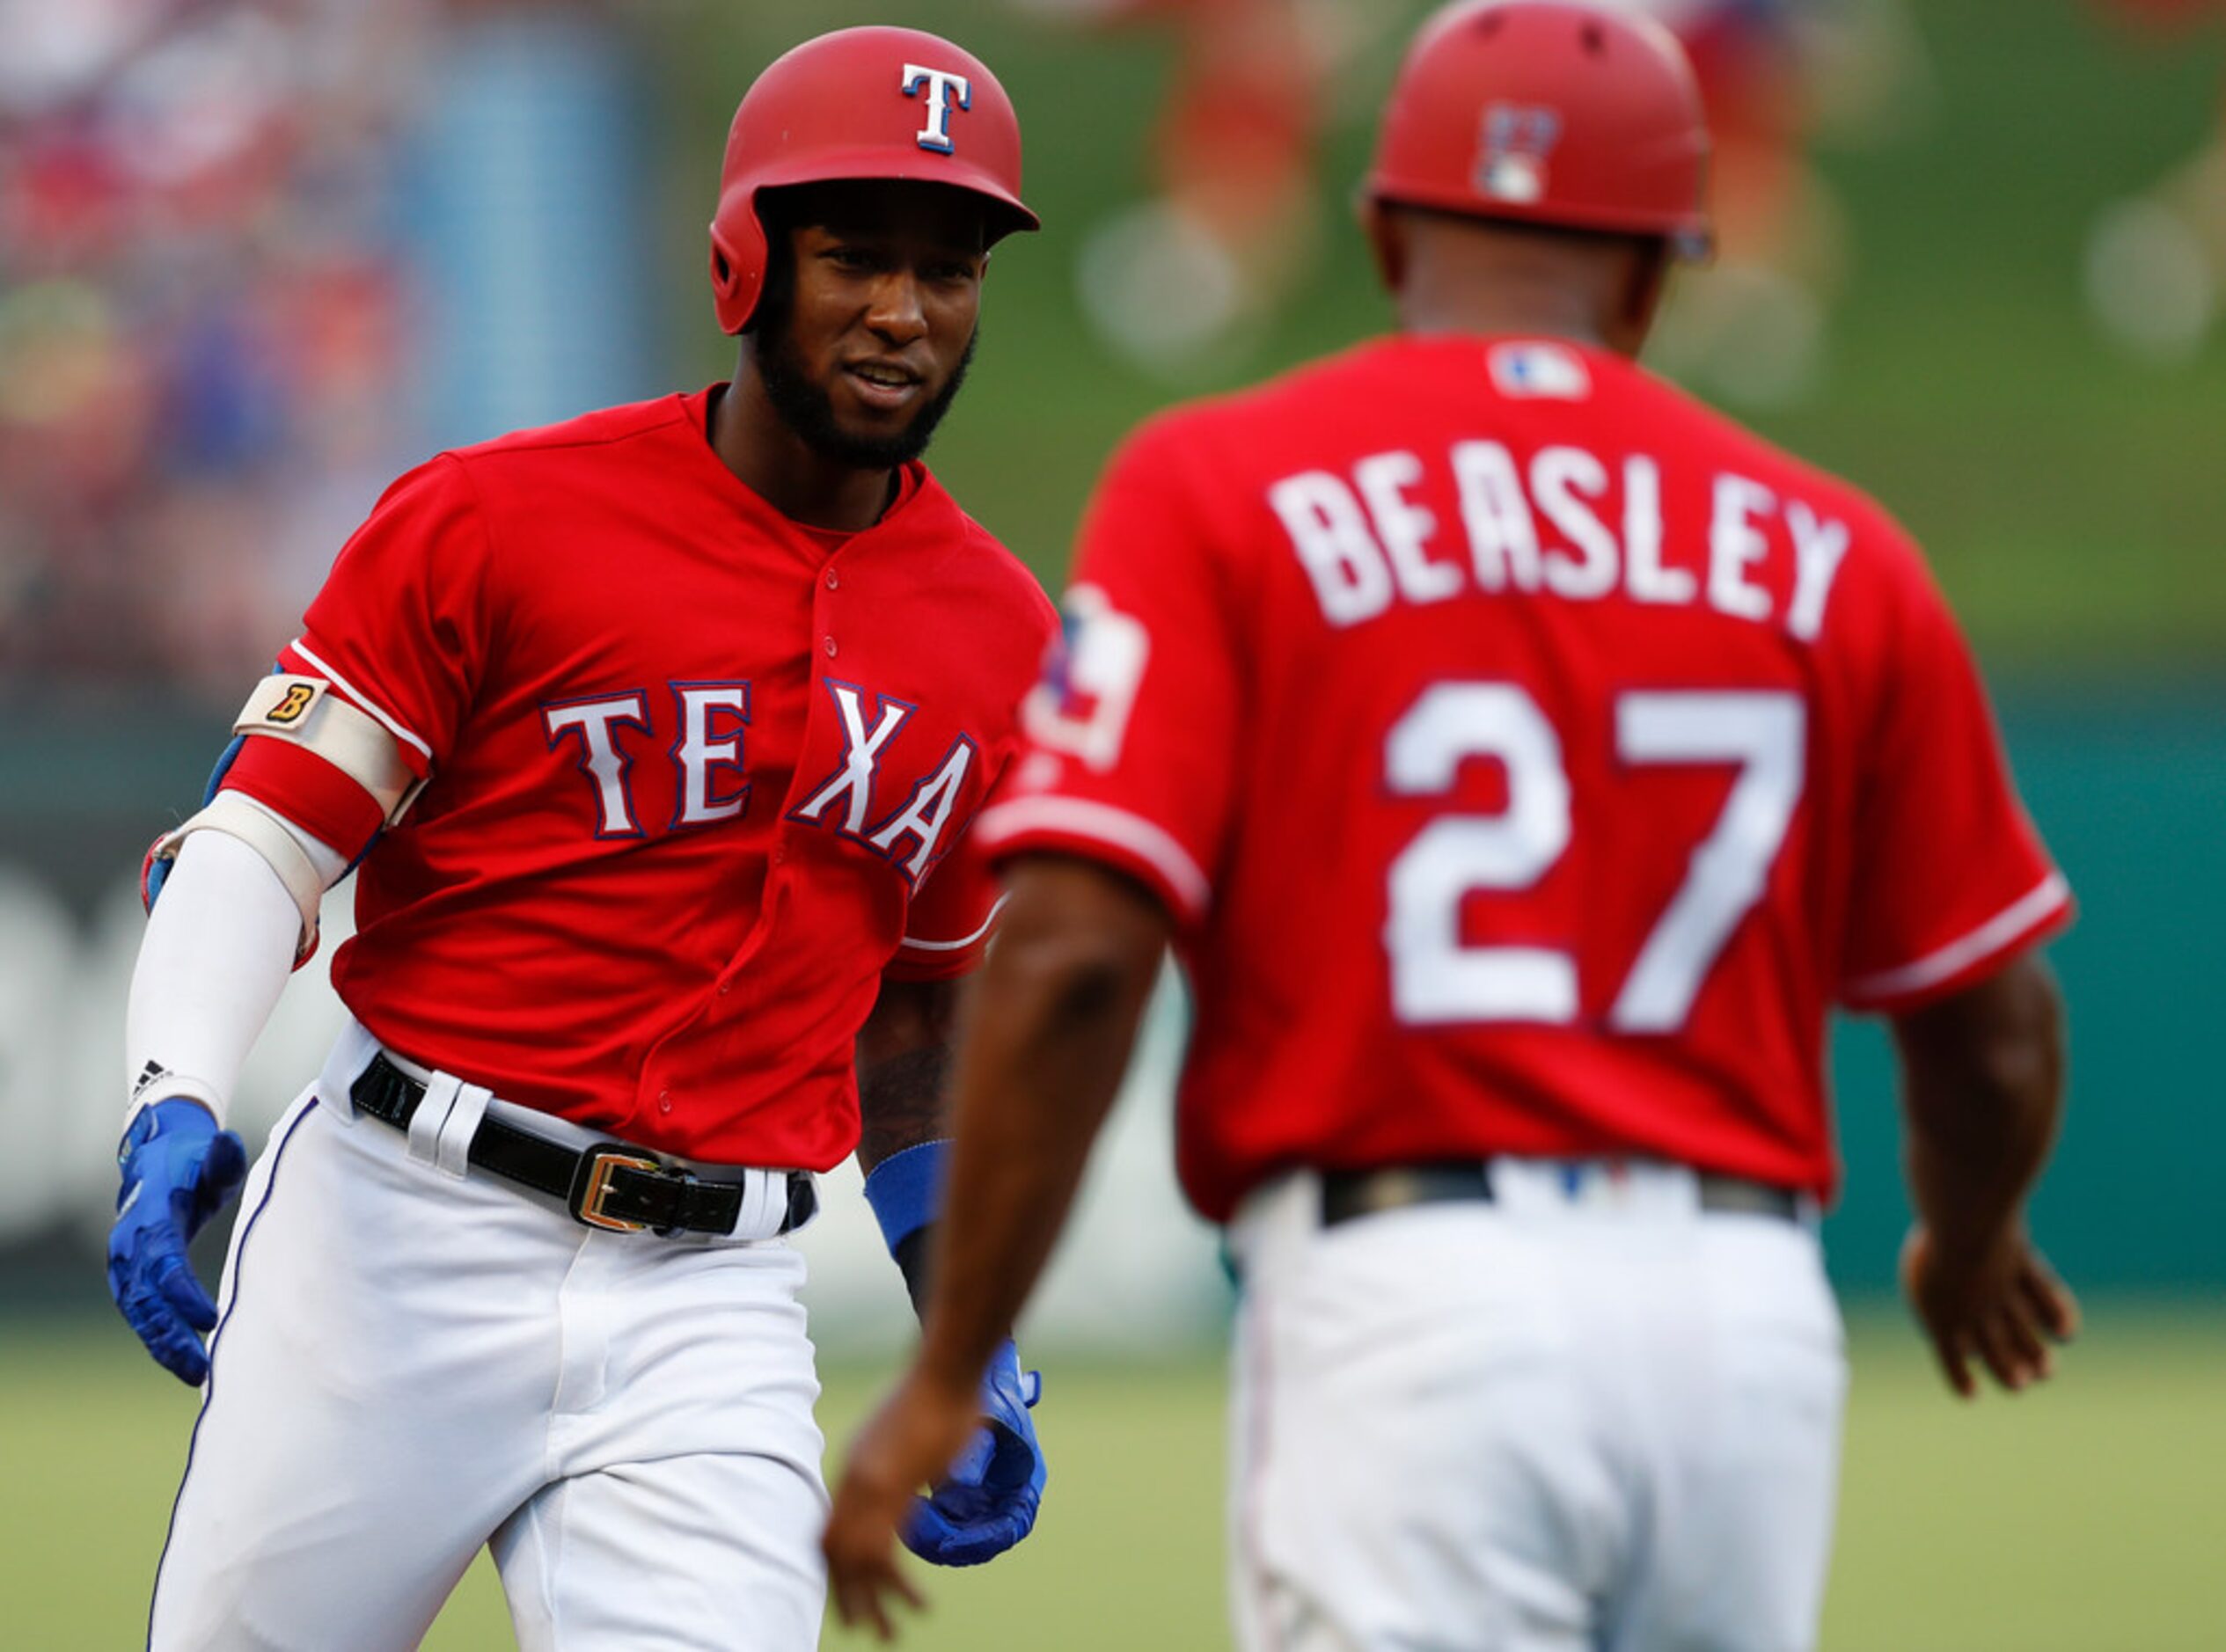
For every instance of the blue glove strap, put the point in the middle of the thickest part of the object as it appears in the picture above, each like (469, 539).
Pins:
(175, 1117)
(906, 1190)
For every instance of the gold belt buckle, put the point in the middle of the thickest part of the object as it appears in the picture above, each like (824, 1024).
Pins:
(593, 1187)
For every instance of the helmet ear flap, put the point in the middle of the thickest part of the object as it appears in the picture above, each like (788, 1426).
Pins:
(737, 261)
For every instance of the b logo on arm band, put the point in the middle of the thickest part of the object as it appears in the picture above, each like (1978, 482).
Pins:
(305, 711)
(298, 699)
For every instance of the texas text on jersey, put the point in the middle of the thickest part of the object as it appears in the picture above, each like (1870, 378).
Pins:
(588, 636)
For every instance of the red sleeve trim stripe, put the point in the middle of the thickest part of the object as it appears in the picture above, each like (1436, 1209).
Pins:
(369, 704)
(2022, 916)
(1134, 836)
(309, 793)
(988, 924)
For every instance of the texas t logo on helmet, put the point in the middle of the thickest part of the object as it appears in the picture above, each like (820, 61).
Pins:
(802, 122)
(1518, 141)
(936, 134)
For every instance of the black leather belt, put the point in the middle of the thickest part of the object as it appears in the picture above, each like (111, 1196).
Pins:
(611, 1184)
(1347, 1193)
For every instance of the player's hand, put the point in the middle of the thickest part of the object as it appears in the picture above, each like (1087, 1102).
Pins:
(178, 1170)
(988, 1501)
(978, 1448)
(2001, 1307)
(919, 1430)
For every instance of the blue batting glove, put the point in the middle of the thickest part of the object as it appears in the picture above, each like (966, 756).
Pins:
(178, 1170)
(988, 1502)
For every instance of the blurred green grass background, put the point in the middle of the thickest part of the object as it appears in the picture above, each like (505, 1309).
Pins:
(2082, 1517)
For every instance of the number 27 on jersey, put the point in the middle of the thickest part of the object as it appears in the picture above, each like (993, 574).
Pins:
(1437, 980)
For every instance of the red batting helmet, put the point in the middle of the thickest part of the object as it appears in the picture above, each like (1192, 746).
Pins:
(1547, 113)
(881, 103)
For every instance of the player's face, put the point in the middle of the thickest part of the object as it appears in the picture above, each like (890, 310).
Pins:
(880, 319)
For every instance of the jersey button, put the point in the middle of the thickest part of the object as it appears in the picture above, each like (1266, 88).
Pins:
(725, 987)
(833, 582)
(664, 1100)
(829, 644)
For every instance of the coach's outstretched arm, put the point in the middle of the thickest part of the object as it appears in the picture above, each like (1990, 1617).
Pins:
(1982, 1081)
(985, 1493)
(1047, 1040)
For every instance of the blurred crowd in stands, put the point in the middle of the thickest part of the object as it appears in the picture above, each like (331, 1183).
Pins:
(257, 256)
(202, 316)
(213, 332)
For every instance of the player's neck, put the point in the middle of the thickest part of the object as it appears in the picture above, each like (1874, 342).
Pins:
(802, 484)
(1522, 310)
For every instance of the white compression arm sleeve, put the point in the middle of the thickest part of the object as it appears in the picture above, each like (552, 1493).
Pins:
(219, 948)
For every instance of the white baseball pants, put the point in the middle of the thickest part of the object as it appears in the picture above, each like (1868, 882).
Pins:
(413, 1362)
(1584, 1417)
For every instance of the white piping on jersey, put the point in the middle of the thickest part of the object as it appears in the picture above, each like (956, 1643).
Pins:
(1116, 828)
(959, 945)
(364, 700)
(2020, 915)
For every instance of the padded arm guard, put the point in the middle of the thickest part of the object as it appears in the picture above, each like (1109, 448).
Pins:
(238, 815)
(303, 711)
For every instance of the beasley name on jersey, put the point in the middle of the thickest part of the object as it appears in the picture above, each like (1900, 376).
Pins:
(1531, 756)
(1563, 520)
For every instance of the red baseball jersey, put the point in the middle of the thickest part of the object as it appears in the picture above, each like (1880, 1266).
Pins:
(1530, 755)
(698, 776)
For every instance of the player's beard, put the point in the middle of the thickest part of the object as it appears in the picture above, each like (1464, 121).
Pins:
(807, 410)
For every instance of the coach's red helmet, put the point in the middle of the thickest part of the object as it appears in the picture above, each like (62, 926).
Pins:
(869, 103)
(1549, 113)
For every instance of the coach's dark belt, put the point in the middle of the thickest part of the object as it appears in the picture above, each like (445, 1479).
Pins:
(1347, 1193)
(611, 1185)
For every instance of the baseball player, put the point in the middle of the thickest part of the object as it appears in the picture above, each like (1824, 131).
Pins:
(655, 736)
(1522, 758)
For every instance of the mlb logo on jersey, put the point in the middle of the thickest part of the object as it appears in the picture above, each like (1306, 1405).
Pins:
(1517, 140)
(1540, 369)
